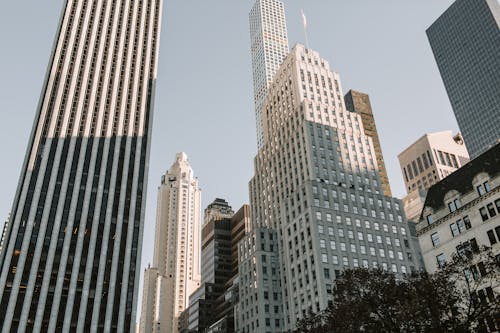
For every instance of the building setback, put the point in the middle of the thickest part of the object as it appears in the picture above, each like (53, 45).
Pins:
(427, 161)
(175, 273)
(269, 46)
(318, 188)
(359, 102)
(465, 40)
(73, 244)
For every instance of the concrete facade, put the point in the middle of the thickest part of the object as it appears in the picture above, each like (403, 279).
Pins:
(465, 41)
(425, 162)
(317, 186)
(177, 249)
(260, 305)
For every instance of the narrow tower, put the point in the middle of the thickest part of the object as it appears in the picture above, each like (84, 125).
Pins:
(73, 244)
(176, 263)
(269, 47)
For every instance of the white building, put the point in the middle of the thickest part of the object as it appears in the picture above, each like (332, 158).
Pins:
(317, 185)
(462, 211)
(176, 262)
(71, 258)
(269, 47)
(425, 162)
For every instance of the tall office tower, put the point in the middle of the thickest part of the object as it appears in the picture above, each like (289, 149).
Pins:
(466, 45)
(269, 47)
(211, 307)
(176, 259)
(73, 244)
(317, 184)
(425, 162)
(216, 243)
(359, 102)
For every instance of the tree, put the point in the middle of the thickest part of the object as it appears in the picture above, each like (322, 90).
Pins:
(462, 296)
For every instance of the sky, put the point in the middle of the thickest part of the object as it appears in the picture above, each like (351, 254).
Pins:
(204, 94)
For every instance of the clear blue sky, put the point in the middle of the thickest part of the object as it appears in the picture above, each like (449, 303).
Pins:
(204, 102)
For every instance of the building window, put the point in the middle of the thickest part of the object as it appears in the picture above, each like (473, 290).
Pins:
(484, 214)
(324, 258)
(467, 222)
(435, 239)
(491, 209)
(454, 229)
(473, 245)
(441, 260)
(491, 237)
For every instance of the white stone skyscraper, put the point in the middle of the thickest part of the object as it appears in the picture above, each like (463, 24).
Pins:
(269, 47)
(317, 201)
(175, 273)
(73, 243)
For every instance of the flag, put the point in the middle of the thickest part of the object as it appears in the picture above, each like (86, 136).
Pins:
(304, 19)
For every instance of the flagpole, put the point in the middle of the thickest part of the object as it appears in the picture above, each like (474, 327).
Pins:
(304, 23)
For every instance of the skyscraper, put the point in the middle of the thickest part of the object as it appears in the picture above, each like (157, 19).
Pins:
(317, 185)
(269, 46)
(211, 307)
(427, 161)
(73, 243)
(359, 102)
(175, 273)
(465, 40)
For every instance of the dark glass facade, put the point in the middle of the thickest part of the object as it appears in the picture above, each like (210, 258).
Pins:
(465, 40)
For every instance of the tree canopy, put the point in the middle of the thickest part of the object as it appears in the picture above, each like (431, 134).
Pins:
(462, 296)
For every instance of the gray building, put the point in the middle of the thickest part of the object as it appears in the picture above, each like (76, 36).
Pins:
(465, 40)
(72, 250)
(317, 185)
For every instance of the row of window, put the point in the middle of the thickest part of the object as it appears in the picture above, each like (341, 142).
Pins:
(486, 212)
(491, 235)
(416, 166)
(489, 211)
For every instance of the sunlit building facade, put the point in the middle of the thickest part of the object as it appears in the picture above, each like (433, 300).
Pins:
(72, 248)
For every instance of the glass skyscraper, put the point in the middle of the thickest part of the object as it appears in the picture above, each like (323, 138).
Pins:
(466, 45)
(73, 243)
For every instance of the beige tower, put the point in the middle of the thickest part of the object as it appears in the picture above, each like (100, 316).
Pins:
(427, 161)
(176, 264)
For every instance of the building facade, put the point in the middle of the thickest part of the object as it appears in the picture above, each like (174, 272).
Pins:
(317, 186)
(269, 46)
(260, 305)
(465, 40)
(425, 162)
(462, 211)
(4, 233)
(212, 306)
(72, 252)
(176, 259)
(359, 102)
